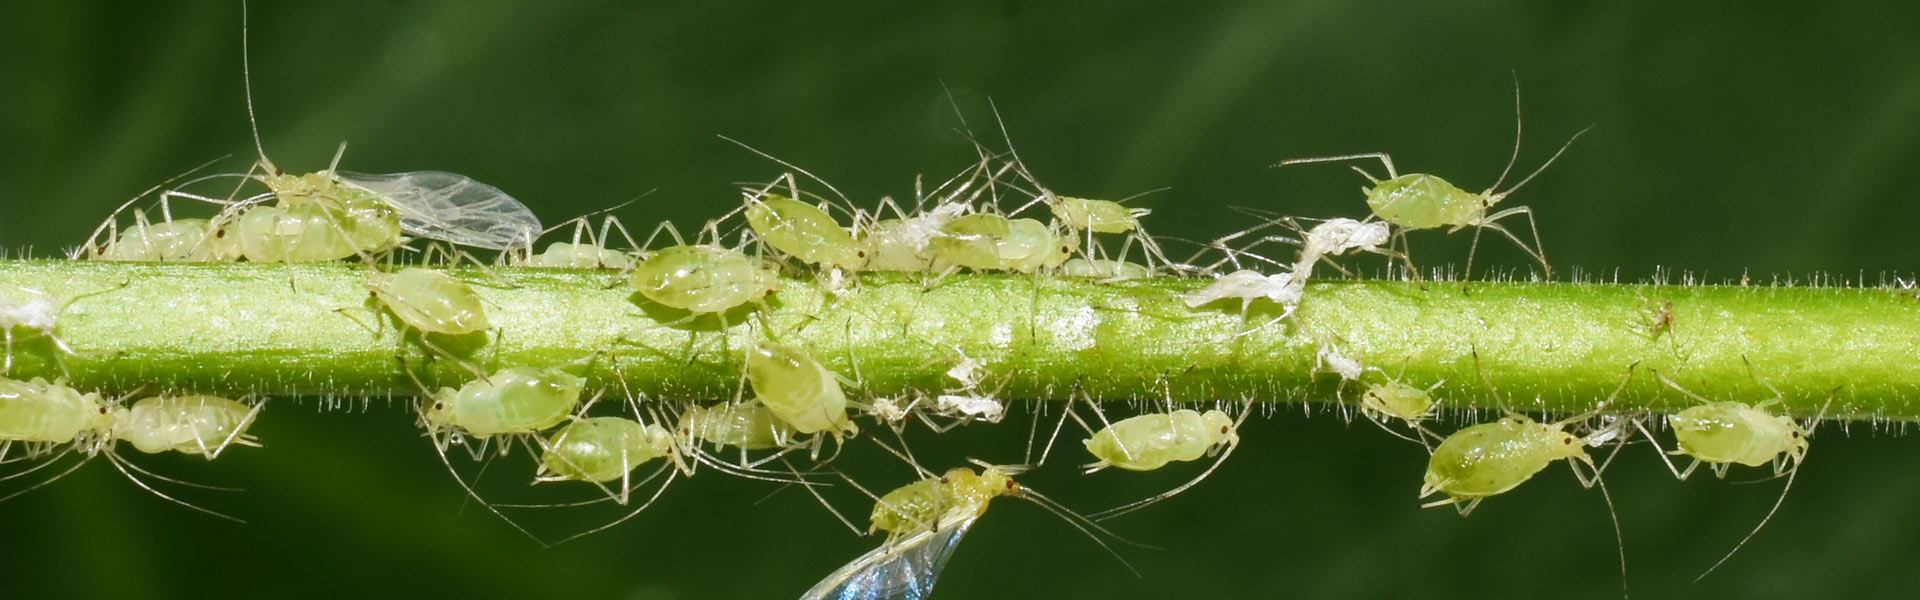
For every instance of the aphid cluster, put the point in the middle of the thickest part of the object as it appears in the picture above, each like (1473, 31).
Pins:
(793, 398)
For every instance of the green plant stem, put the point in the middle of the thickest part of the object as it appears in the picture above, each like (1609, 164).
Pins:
(1556, 347)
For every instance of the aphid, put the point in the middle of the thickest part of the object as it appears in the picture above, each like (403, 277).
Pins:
(924, 521)
(430, 301)
(970, 407)
(801, 230)
(1104, 270)
(41, 414)
(1722, 433)
(359, 213)
(989, 242)
(799, 390)
(36, 311)
(46, 414)
(514, 400)
(704, 279)
(1397, 400)
(1488, 459)
(748, 426)
(1149, 442)
(1656, 318)
(189, 424)
(587, 250)
(1421, 201)
(904, 244)
(175, 240)
(601, 450)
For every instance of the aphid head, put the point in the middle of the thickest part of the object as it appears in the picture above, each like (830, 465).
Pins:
(1217, 421)
(436, 409)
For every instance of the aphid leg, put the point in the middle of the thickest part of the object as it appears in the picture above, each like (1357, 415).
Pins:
(1537, 251)
(829, 505)
(1382, 156)
(233, 437)
(120, 464)
(1663, 453)
(441, 451)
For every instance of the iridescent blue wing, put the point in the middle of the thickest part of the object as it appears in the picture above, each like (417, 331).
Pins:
(452, 207)
(903, 569)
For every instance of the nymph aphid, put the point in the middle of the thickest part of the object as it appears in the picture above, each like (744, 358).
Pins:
(587, 250)
(513, 400)
(704, 279)
(1149, 442)
(799, 390)
(46, 415)
(1726, 432)
(189, 424)
(1420, 201)
(172, 240)
(748, 426)
(1488, 459)
(430, 301)
(800, 230)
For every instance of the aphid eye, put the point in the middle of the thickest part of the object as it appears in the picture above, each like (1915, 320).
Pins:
(278, 171)
(1225, 428)
(1568, 440)
(103, 410)
(219, 233)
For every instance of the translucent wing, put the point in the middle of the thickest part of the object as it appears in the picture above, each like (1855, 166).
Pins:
(452, 207)
(903, 569)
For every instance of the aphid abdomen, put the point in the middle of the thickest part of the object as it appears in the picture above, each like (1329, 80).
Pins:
(803, 231)
(797, 389)
(186, 424)
(1148, 442)
(1098, 216)
(748, 425)
(431, 301)
(912, 507)
(38, 411)
(972, 241)
(601, 449)
(1421, 201)
(1030, 245)
(1731, 432)
(563, 255)
(896, 245)
(703, 279)
(1488, 459)
(512, 400)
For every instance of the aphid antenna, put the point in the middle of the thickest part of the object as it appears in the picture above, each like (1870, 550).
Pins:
(796, 168)
(234, 436)
(657, 492)
(1093, 529)
(128, 469)
(829, 505)
(1619, 538)
(441, 451)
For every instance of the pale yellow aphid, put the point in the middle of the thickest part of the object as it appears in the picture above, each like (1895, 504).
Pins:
(704, 279)
(1489, 459)
(586, 250)
(1149, 442)
(189, 424)
(42, 413)
(175, 240)
(748, 426)
(989, 242)
(801, 230)
(1727, 432)
(1097, 216)
(1393, 399)
(514, 400)
(430, 301)
(45, 415)
(602, 450)
(799, 390)
(1105, 270)
(1421, 201)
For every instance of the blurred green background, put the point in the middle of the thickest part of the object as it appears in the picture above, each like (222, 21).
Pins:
(1728, 138)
